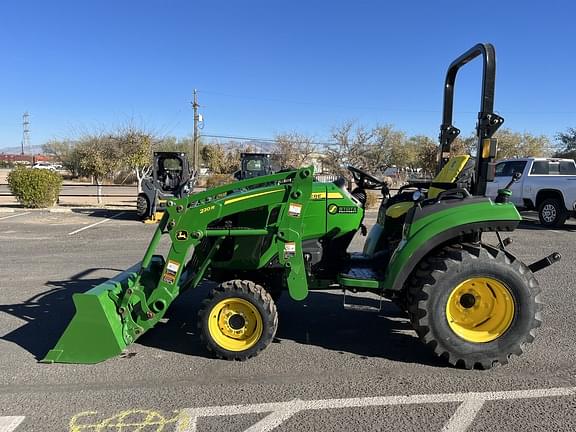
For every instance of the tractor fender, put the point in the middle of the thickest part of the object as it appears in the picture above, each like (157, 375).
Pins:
(445, 227)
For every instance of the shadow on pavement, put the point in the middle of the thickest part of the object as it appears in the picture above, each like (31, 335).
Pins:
(47, 314)
(319, 320)
(528, 224)
(128, 214)
(178, 332)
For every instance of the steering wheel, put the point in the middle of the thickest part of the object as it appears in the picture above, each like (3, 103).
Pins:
(364, 180)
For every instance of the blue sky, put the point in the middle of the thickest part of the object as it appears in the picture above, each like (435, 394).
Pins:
(265, 67)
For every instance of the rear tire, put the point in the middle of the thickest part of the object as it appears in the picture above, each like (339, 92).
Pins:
(552, 213)
(237, 320)
(142, 207)
(474, 306)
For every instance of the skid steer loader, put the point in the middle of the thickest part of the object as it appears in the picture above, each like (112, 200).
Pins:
(171, 177)
(473, 303)
(254, 165)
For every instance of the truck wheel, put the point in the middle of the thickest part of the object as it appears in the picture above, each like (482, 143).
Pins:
(474, 306)
(142, 206)
(237, 320)
(552, 213)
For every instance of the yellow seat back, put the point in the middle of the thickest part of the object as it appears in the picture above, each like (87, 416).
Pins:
(448, 174)
(398, 209)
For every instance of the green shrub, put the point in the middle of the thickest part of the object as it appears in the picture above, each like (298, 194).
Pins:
(35, 187)
(218, 180)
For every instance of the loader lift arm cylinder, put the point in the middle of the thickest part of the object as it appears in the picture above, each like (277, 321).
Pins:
(488, 122)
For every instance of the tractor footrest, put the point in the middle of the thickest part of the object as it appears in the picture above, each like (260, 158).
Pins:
(359, 277)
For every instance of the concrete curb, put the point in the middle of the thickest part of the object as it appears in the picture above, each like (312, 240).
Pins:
(62, 209)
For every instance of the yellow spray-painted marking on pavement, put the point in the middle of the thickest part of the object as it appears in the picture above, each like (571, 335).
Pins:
(135, 420)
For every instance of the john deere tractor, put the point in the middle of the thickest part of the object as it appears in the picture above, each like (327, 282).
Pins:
(470, 300)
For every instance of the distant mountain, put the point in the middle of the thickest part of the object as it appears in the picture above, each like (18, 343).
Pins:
(35, 149)
(259, 146)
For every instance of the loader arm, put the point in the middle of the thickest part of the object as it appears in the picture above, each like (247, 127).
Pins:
(119, 311)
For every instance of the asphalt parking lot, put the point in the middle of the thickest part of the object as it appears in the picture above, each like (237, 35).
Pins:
(328, 369)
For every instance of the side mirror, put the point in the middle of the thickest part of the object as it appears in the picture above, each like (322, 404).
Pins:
(491, 172)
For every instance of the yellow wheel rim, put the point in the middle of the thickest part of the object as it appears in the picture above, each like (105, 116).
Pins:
(480, 309)
(235, 324)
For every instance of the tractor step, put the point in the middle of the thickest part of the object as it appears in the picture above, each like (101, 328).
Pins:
(359, 277)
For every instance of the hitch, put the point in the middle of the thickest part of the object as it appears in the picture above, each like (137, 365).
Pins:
(545, 262)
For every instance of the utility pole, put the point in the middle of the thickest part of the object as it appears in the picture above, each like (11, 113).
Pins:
(195, 143)
(25, 132)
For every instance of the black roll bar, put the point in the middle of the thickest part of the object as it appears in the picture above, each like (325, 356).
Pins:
(488, 122)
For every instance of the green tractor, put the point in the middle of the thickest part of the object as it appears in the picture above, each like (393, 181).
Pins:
(473, 303)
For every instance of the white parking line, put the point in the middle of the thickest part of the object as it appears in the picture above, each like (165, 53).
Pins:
(13, 216)
(471, 403)
(95, 224)
(464, 416)
(9, 424)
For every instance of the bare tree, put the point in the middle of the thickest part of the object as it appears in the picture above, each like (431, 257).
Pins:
(223, 158)
(350, 148)
(372, 150)
(293, 149)
(64, 152)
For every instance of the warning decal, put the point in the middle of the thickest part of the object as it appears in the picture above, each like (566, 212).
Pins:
(171, 271)
(295, 209)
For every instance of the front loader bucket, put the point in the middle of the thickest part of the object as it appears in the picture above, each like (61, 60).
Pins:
(95, 332)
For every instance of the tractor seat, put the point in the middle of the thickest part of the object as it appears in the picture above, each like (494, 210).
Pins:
(458, 169)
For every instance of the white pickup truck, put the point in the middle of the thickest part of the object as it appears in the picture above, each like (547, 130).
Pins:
(547, 185)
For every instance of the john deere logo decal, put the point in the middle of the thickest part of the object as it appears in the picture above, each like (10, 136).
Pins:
(332, 209)
(182, 235)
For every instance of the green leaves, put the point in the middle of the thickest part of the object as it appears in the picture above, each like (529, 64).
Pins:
(35, 188)
(520, 144)
(566, 143)
(100, 156)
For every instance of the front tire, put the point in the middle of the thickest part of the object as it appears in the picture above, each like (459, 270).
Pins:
(142, 207)
(474, 306)
(552, 213)
(237, 320)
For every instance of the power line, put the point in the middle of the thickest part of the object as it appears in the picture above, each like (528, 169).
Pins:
(270, 140)
(376, 108)
(347, 107)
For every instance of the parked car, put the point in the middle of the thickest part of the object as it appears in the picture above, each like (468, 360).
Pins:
(547, 185)
(44, 165)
